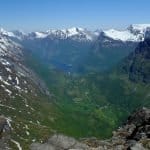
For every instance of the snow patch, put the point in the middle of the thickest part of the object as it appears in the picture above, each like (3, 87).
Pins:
(8, 91)
(27, 133)
(121, 35)
(9, 122)
(17, 80)
(7, 106)
(40, 35)
(8, 69)
(140, 27)
(5, 82)
(17, 144)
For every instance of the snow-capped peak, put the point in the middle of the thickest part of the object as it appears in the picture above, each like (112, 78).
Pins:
(140, 27)
(73, 33)
(73, 30)
(40, 34)
(123, 35)
(6, 33)
(67, 32)
(135, 33)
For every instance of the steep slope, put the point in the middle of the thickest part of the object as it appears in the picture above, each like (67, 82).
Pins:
(24, 99)
(137, 64)
(107, 52)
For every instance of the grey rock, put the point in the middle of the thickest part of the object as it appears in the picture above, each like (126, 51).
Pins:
(59, 142)
(138, 146)
(38, 146)
(4, 133)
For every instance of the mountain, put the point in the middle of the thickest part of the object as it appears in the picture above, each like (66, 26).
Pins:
(139, 29)
(79, 50)
(71, 49)
(137, 64)
(77, 34)
(6, 33)
(124, 36)
(12, 63)
(134, 33)
(22, 95)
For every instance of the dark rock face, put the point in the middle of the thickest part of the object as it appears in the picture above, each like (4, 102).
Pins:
(140, 117)
(4, 133)
(147, 33)
(134, 135)
(137, 130)
(2, 124)
(137, 64)
(141, 121)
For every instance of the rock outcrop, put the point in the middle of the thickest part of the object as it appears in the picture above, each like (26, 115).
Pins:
(60, 142)
(4, 133)
(134, 135)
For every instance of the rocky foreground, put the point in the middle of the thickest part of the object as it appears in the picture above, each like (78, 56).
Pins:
(134, 135)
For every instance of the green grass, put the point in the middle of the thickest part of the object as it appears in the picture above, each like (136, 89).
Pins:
(93, 104)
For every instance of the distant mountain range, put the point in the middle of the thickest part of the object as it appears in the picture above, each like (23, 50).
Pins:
(134, 33)
(73, 49)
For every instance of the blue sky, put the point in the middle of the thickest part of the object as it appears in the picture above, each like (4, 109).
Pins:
(44, 14)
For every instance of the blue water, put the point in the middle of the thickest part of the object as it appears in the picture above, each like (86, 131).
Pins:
(62, 66)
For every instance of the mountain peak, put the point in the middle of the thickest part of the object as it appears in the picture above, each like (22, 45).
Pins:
(75, 33)
(122, 35)
(140, 26)
(6, 33)
(135, 33)
(75, 29)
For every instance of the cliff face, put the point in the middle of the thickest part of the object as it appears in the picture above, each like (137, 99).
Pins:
(134, 135)
(137, 64)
